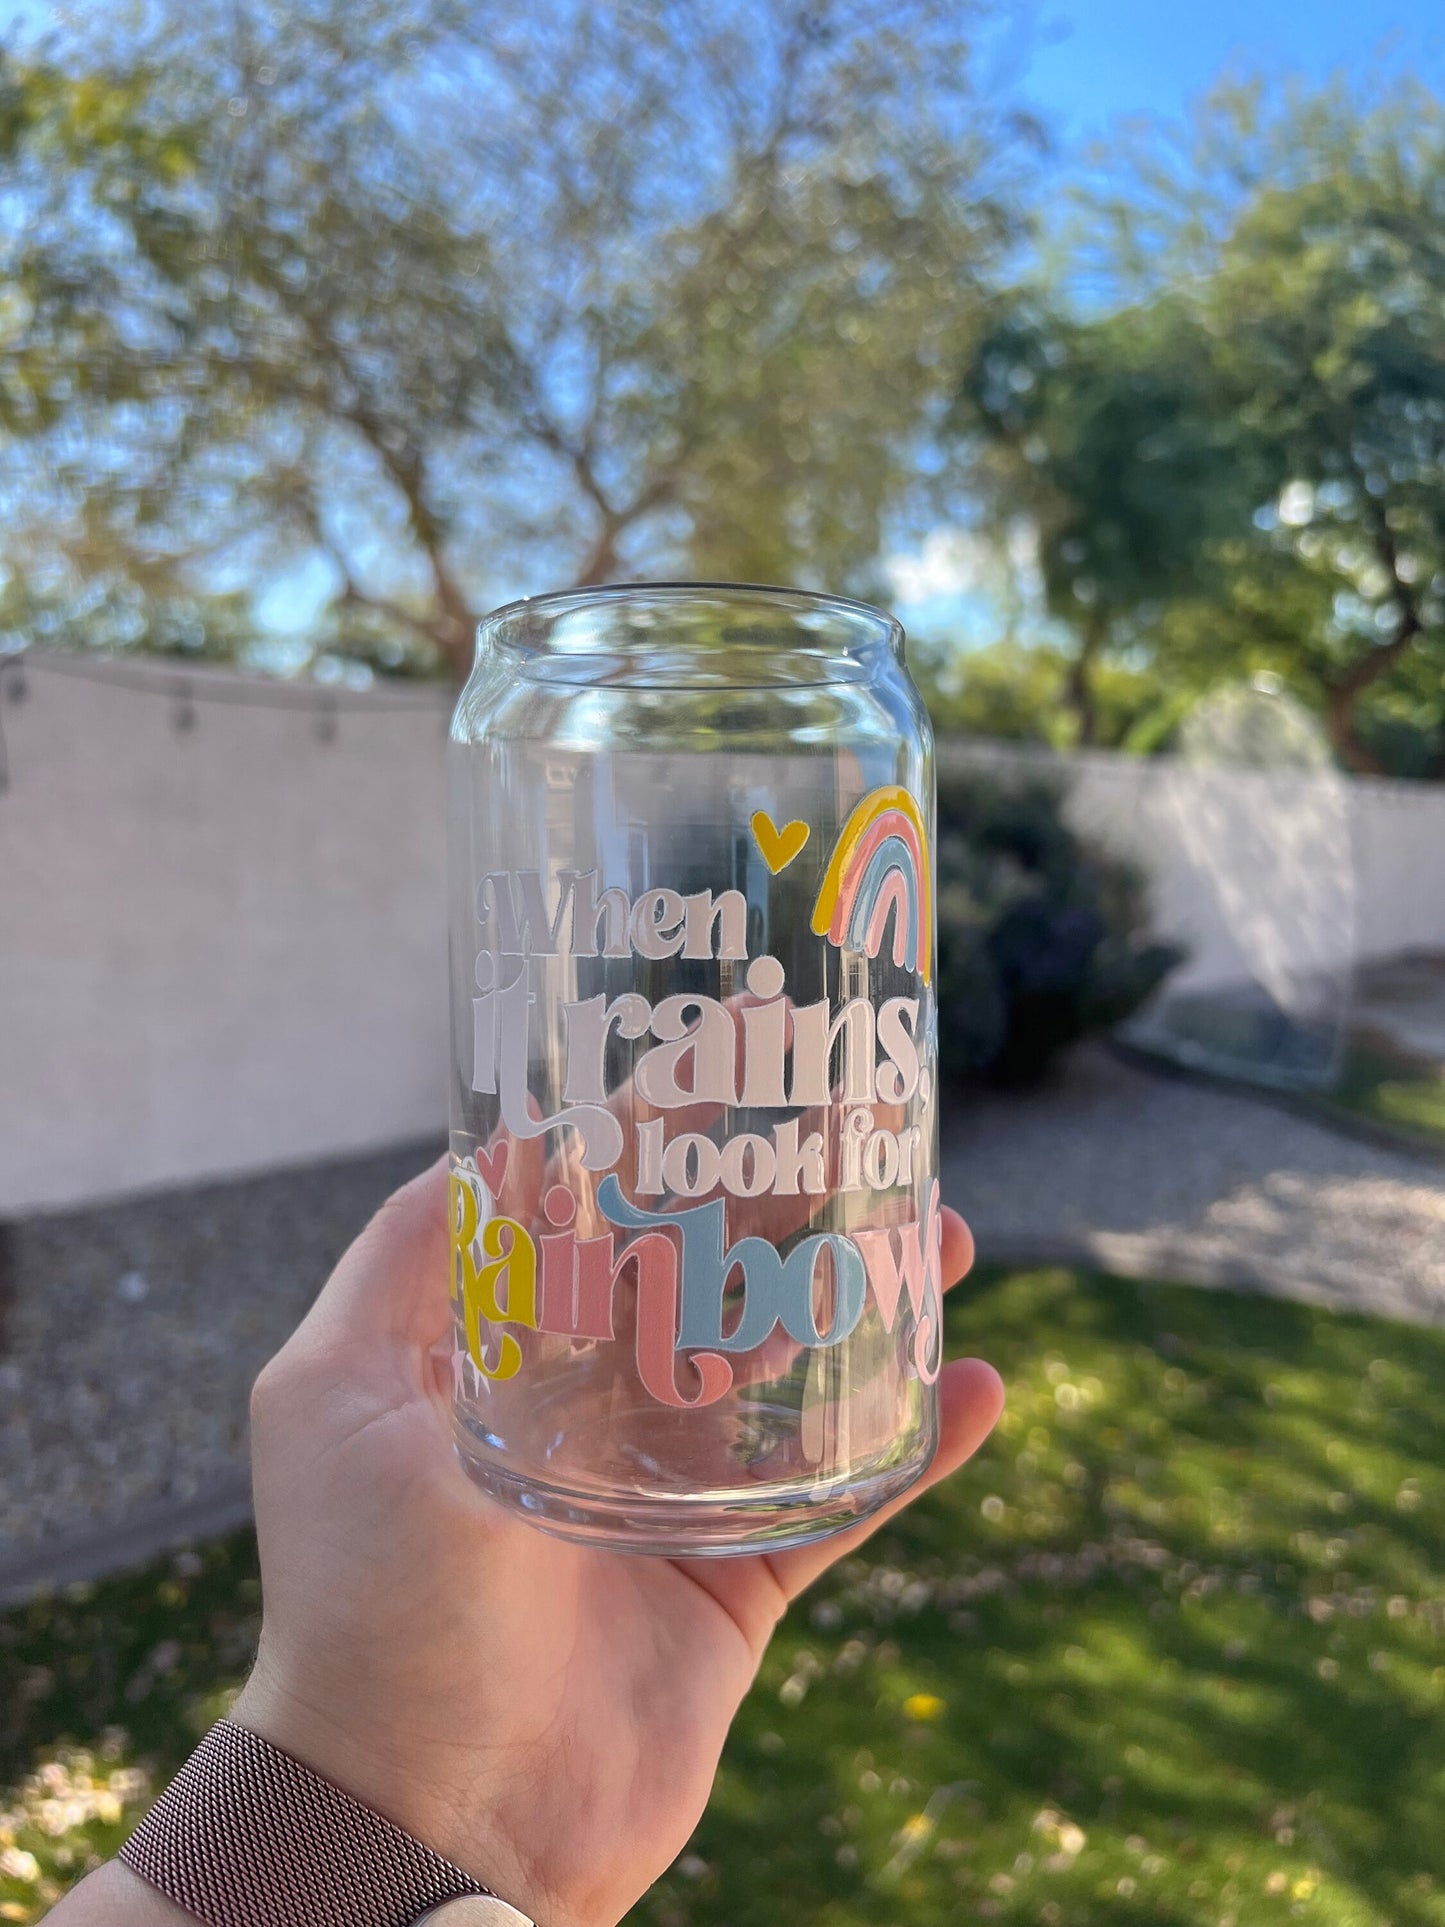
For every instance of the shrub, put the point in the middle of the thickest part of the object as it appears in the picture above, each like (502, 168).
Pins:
(1041, 940)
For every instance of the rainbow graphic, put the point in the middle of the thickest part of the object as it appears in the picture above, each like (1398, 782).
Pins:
(880, 865)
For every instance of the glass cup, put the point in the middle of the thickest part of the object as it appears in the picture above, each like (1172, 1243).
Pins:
(694, 1207)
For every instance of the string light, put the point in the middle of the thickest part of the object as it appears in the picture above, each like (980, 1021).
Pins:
(155, 677)
(188, 694)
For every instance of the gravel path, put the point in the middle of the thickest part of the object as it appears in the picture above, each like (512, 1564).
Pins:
(134, 1332)
(1159, 1177)
(130, 1333)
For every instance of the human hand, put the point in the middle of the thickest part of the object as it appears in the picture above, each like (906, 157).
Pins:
(547, 1715)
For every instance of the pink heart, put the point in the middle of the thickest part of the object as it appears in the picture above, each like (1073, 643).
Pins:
(493, 1170)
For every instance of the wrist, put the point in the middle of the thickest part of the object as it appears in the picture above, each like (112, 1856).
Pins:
(114, 1896)
(437, 1794)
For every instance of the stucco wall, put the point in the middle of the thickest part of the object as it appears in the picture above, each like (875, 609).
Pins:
(222, 940)
(1259, 875)
(222, 945)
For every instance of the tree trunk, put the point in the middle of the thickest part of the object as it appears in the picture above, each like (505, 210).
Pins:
(1342, 696)
(457, 628)
(1340, 723)
(1079, 687)
(601, 564)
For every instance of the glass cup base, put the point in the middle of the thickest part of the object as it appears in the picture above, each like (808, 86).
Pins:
(699, 1526)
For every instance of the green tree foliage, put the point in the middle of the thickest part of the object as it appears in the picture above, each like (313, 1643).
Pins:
(1324, 298)
(446, 298)
(1234, 449)
(1020, 691)
(1106, 437)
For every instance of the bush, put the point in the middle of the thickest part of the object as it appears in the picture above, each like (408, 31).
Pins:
(1041, 941)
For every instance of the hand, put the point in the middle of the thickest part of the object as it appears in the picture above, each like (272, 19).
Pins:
(548, 1716)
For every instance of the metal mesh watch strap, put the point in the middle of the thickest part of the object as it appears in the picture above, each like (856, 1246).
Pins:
(245, 1836)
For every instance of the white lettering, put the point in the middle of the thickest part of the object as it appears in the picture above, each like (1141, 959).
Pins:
(706, 1050)
(690, 1165)
(729, 913)
(657, 924)
(589, 1025)
(748, 1166)
(898, 1079)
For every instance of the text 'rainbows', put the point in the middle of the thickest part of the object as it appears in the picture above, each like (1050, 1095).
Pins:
(880, 865)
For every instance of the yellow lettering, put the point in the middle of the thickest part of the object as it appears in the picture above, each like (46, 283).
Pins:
(477, 1285)
(463, 1210)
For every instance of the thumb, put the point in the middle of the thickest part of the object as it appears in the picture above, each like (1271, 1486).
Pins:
(392, 1288)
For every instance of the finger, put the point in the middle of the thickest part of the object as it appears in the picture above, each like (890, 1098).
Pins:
(971, 1397)
(757, 1589)
(524, 1179)
(393, 1286)
(958, 1249)
(631, 1110)
(774, 1356)
(522, 1164)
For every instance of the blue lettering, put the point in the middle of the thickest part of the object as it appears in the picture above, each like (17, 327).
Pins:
(776, 1290)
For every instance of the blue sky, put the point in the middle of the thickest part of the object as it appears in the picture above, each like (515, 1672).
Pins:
(1092, 61)
(1096, 59)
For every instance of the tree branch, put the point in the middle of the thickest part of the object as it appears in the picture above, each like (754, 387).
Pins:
(1343, 693)
(354, 597)
(352, 594)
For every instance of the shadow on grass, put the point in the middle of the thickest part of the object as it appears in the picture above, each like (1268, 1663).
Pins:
(1169, 1651)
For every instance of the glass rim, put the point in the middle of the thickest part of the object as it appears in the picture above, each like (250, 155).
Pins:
(886, 627)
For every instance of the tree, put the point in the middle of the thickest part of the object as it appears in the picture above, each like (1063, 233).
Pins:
(1303, 237)
(1223, 413)
(1106, 436)
(444, 299)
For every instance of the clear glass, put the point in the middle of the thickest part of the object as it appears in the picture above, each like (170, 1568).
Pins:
(695, 1223)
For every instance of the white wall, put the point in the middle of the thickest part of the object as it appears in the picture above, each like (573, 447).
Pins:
(223, 947)
(1260, 875)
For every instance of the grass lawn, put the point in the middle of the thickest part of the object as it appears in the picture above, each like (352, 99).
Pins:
(1388, 1086)
(1397, 1092)
(1170, 1651)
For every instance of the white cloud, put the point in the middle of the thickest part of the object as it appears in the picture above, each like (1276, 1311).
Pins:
(950, 562)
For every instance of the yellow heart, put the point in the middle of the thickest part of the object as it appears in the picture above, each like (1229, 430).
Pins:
(779, 846)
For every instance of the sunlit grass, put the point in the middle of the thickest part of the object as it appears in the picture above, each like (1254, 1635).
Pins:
(1169, 1652)
(1387, 1086)
(1378, 1082)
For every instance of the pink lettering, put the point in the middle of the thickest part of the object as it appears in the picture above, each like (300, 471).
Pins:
(655, 1256)
(917, 1267)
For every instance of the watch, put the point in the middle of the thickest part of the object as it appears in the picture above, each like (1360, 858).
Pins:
(246, 1836)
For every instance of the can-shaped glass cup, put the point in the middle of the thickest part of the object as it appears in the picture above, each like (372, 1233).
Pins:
(695, 1233)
